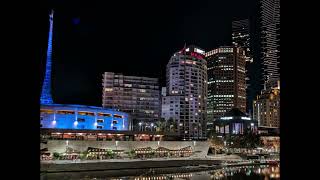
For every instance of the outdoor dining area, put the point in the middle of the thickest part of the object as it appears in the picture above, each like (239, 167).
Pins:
(148, 152)
(99, 153)
(45, 155)
(70, 154)
(93, 153)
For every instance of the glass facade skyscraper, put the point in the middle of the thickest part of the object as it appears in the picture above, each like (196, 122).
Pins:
(270, 30)
(241, 37)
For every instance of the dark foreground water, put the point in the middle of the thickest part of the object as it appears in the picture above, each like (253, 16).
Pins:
(261, 172)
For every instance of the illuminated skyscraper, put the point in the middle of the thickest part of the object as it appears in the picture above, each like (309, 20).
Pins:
(187, 90)
(270, 23)
(266, 108)
(46, 97)
(226, 81)
(241, 38)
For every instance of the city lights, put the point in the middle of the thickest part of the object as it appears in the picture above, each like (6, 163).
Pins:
(213, 107)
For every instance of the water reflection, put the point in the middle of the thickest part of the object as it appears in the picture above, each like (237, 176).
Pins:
(266, 171)
(263, 172)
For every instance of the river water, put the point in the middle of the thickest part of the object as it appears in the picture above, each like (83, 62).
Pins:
(260, 172)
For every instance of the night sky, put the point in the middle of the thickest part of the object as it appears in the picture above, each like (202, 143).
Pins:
(135, 38)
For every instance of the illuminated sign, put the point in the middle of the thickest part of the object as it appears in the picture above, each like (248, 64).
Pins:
(196, 55)
(226, 118)
(199, 51)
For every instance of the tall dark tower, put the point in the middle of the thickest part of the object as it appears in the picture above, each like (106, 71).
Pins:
(46, 97)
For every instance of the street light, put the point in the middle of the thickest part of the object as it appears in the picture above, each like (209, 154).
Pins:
(140, 124)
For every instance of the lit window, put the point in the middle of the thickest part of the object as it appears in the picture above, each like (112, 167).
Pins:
(104, 114)
(108, 89)
(47, 111)
(117, 116)
(81, 120)
(100, 121)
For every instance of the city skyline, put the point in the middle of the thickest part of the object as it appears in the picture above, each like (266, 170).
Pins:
(160, 87)
(80, 28)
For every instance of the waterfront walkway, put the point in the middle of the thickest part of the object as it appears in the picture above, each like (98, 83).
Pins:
(216, 157)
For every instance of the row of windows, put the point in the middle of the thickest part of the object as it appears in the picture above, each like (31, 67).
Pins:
(101, 127)
(98, 120)
(86, 113)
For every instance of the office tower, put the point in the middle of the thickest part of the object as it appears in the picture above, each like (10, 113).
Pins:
(226, 81)
(185, 102)
(270, 34)
(138, 96)
(46, 97)
(266, 108)
(241, 38)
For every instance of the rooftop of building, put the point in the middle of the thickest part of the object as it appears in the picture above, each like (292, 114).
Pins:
(76, 106)
(235, 112)
(133, 77)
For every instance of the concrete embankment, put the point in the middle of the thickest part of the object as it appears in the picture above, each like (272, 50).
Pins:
(100, 166)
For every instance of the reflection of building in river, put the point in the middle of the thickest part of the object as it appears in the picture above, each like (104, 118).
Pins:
(265, 170)
(271, 143)
(167, 176)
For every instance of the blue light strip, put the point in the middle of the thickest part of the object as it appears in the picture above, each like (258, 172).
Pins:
(46, 97)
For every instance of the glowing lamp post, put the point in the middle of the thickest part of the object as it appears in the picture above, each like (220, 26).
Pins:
(140, 124)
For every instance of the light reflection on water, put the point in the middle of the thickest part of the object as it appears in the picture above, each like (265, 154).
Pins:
(261, 172)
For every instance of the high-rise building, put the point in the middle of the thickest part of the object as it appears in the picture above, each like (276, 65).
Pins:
(266, 108)
(241, 38)
(186, 97)
(270, 34)
(46, 97)
(226, 81)
(138, 96)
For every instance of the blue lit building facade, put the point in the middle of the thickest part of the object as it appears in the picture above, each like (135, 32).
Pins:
(61, 116)
(75, 117)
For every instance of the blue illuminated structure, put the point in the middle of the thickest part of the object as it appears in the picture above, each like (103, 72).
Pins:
(61, 116)
(75, 117)
(46, 97)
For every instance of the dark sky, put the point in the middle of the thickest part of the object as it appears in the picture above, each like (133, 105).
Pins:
(132, 37)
